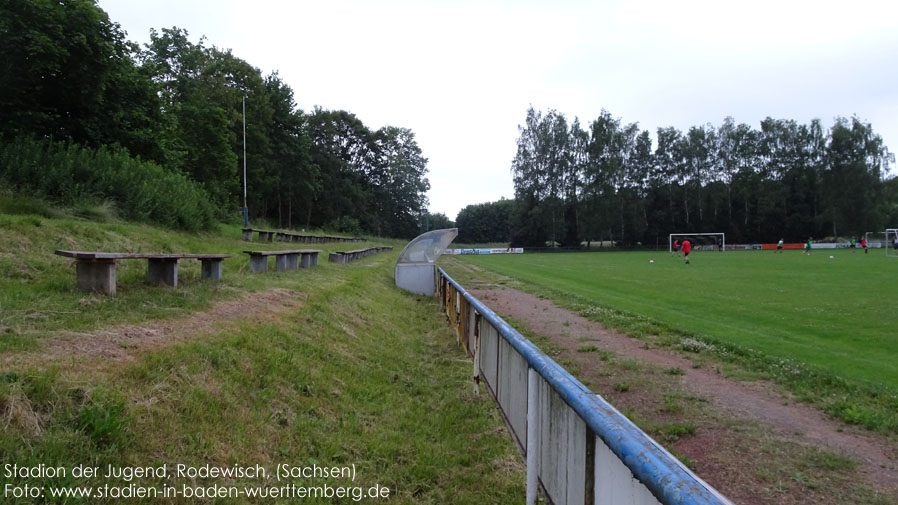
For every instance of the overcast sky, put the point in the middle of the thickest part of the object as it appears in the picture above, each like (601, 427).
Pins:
(461, 74)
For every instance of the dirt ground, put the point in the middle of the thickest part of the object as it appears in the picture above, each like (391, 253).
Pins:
(749, 440)
(108, 346)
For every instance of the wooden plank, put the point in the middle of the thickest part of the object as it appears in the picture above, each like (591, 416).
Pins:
(278, 253)
(363, 251)
(90, 255)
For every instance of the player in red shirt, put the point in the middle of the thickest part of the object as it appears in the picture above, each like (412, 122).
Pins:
(686, 246)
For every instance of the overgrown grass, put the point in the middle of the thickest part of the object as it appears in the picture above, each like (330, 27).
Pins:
(824, 327)
(68, 174)
(38, 291)
(361, 373)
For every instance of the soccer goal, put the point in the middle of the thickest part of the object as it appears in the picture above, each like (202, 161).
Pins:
(891, 242)
(700, 241)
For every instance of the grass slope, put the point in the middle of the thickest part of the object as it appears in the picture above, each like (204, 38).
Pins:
(361, 373)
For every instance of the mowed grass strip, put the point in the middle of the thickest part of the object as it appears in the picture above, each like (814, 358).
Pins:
(796, 313)
(361, 373)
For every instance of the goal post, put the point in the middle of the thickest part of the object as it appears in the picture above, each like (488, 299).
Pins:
(891, 242)
(700, 241)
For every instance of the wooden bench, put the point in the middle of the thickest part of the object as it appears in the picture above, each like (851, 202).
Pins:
(280, 236)
(264, 235)
(284, 260)
(95, 271)
(347, 256)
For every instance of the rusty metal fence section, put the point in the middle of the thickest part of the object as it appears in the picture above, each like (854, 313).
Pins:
(456, 311)
(579, 449)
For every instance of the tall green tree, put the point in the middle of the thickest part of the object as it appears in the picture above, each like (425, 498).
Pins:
(401, 189)
(199, 139)
(781, 180)
(67, 72)
(852, 179)
(485, 222)
(344, 150)
(538, 170)
(437, 221)
(295, 181)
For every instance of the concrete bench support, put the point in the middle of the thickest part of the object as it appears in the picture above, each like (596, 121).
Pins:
(258, 264)
(248, 234)
(211, 269)
(162, 271)
(283, 260)
(96, 276)
(280, 262)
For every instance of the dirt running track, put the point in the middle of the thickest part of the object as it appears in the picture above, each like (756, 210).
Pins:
(878, 459)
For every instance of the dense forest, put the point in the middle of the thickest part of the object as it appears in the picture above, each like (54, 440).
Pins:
(611, 181)
(71, 78)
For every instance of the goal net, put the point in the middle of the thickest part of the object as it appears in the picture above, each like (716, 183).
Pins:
(891, 242)
(699, 241)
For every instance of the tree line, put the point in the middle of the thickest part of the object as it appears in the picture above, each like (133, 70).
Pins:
(611, 181)
(69, 74)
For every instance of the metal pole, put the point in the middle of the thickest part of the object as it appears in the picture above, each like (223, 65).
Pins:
(245, 207)
(476, 337)
(532, 435)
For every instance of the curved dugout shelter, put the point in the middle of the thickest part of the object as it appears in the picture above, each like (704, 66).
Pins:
(415, 267)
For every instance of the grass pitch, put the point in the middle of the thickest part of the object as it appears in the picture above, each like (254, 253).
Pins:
(800, 314)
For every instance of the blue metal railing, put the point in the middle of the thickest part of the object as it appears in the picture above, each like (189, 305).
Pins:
(660, 472)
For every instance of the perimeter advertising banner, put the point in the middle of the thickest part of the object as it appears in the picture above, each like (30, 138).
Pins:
(507, 250)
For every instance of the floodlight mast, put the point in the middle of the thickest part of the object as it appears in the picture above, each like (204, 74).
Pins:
(245, 208)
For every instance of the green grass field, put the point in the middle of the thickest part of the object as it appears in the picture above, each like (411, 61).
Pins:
(833, 317)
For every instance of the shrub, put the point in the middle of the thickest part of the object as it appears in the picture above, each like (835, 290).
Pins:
(68, 174)
(346, 224)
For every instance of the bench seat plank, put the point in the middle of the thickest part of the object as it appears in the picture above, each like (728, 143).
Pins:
(347, 256)
(275, 253)
(87, 255)
(95, 271)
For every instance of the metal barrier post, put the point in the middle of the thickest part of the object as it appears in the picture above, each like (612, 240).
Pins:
(532, 435)
(477, 320)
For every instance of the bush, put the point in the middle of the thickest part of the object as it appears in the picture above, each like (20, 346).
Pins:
(346, 224)
(24, 205)
(69, 174)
